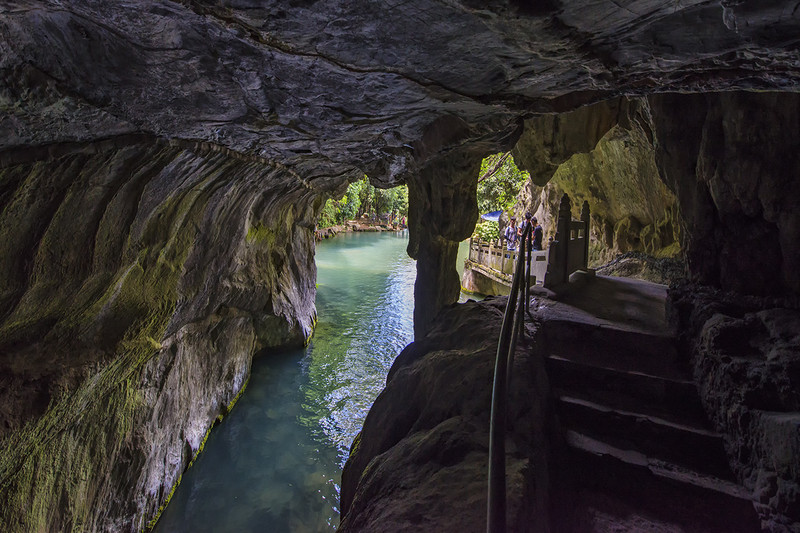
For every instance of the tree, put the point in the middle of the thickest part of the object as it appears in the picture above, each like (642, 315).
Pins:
(360, 198)
(499, 183)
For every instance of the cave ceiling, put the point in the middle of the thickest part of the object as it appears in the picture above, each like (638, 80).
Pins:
(333, 89)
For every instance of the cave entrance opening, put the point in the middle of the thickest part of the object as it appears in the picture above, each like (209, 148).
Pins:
(499, 184)
(606, 154)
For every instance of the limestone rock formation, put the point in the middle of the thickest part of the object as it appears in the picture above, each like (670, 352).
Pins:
(740, 207)
(638, 265)
(550, 140)
(440, 217)
(606, 431)
(420, 461)
(138, 278)
(746, 359)
(604, 155)
(162, 162)
(716, 178)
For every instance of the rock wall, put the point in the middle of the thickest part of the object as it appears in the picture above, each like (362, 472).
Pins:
(746, 359)
(138, 279)
(733, 162)
(602, 154)
(550, 140)
(162, 162)
(438, 200)
(420, 461)
(712, 176)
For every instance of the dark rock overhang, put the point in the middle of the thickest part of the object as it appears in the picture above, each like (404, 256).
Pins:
(164, 162)
(333, 89)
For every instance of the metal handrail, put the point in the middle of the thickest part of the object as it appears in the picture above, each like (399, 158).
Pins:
(506, 346)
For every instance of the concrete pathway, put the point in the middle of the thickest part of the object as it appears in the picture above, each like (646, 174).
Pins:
(622, 303)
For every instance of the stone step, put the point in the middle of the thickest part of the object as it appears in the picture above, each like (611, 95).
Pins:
(613, 348)
(673, 399)
(692, 447)
(614, 489)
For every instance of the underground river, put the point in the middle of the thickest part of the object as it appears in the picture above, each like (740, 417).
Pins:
(274, 463)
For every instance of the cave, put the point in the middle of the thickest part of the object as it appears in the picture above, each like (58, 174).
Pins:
(163, 164)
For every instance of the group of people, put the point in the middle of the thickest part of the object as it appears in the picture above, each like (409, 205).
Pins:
(513, 233)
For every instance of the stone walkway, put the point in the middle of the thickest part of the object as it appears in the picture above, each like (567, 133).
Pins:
(635, 451)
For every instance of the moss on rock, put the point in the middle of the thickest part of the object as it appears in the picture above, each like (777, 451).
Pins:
(138, 344)
(631, 207)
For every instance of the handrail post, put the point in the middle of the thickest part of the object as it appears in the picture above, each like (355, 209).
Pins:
(528, 271)
(585, 220)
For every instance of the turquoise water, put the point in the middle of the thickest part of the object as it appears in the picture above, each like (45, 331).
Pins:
(274, 463)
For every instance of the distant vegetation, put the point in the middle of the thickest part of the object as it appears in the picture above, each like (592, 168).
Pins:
(498, 185)
(362, 198)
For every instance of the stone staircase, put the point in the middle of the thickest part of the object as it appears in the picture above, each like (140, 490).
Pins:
(638, 453)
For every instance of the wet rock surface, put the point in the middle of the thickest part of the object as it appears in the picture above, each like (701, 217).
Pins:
(324, 87)
(642, 266)
(608, 430)
(714, 181)
(118, 352)
(613, 168)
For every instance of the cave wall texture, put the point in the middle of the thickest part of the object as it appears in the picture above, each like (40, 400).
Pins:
(727, 159)
(162, 163)
(742, 150)
(603, 154)
(127, 329)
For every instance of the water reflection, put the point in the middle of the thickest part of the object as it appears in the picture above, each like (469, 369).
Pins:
(275, 461)
(365, 303)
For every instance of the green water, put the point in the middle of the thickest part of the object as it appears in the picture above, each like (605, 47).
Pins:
(274, 463)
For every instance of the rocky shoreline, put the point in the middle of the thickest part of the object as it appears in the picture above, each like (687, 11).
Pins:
(420, 461)
(356, 226)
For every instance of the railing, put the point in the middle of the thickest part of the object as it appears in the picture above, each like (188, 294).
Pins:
(567, 253)
(494, 256)
(502, 261)
(513, 319)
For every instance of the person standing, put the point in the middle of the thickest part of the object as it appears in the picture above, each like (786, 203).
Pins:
(525, 224)
(511, 235)
(538, 234)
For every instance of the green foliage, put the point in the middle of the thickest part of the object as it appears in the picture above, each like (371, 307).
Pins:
(488, 231)
(390, 200)
(500, 182)
(361, 198)
(327, 217)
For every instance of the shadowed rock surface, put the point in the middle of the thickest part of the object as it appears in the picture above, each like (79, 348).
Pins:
(118, 353)
(612, 167)
(162, 163)
(641, 266)
(746, 361)
(420, 461)
(607, 429)
(728, 162)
